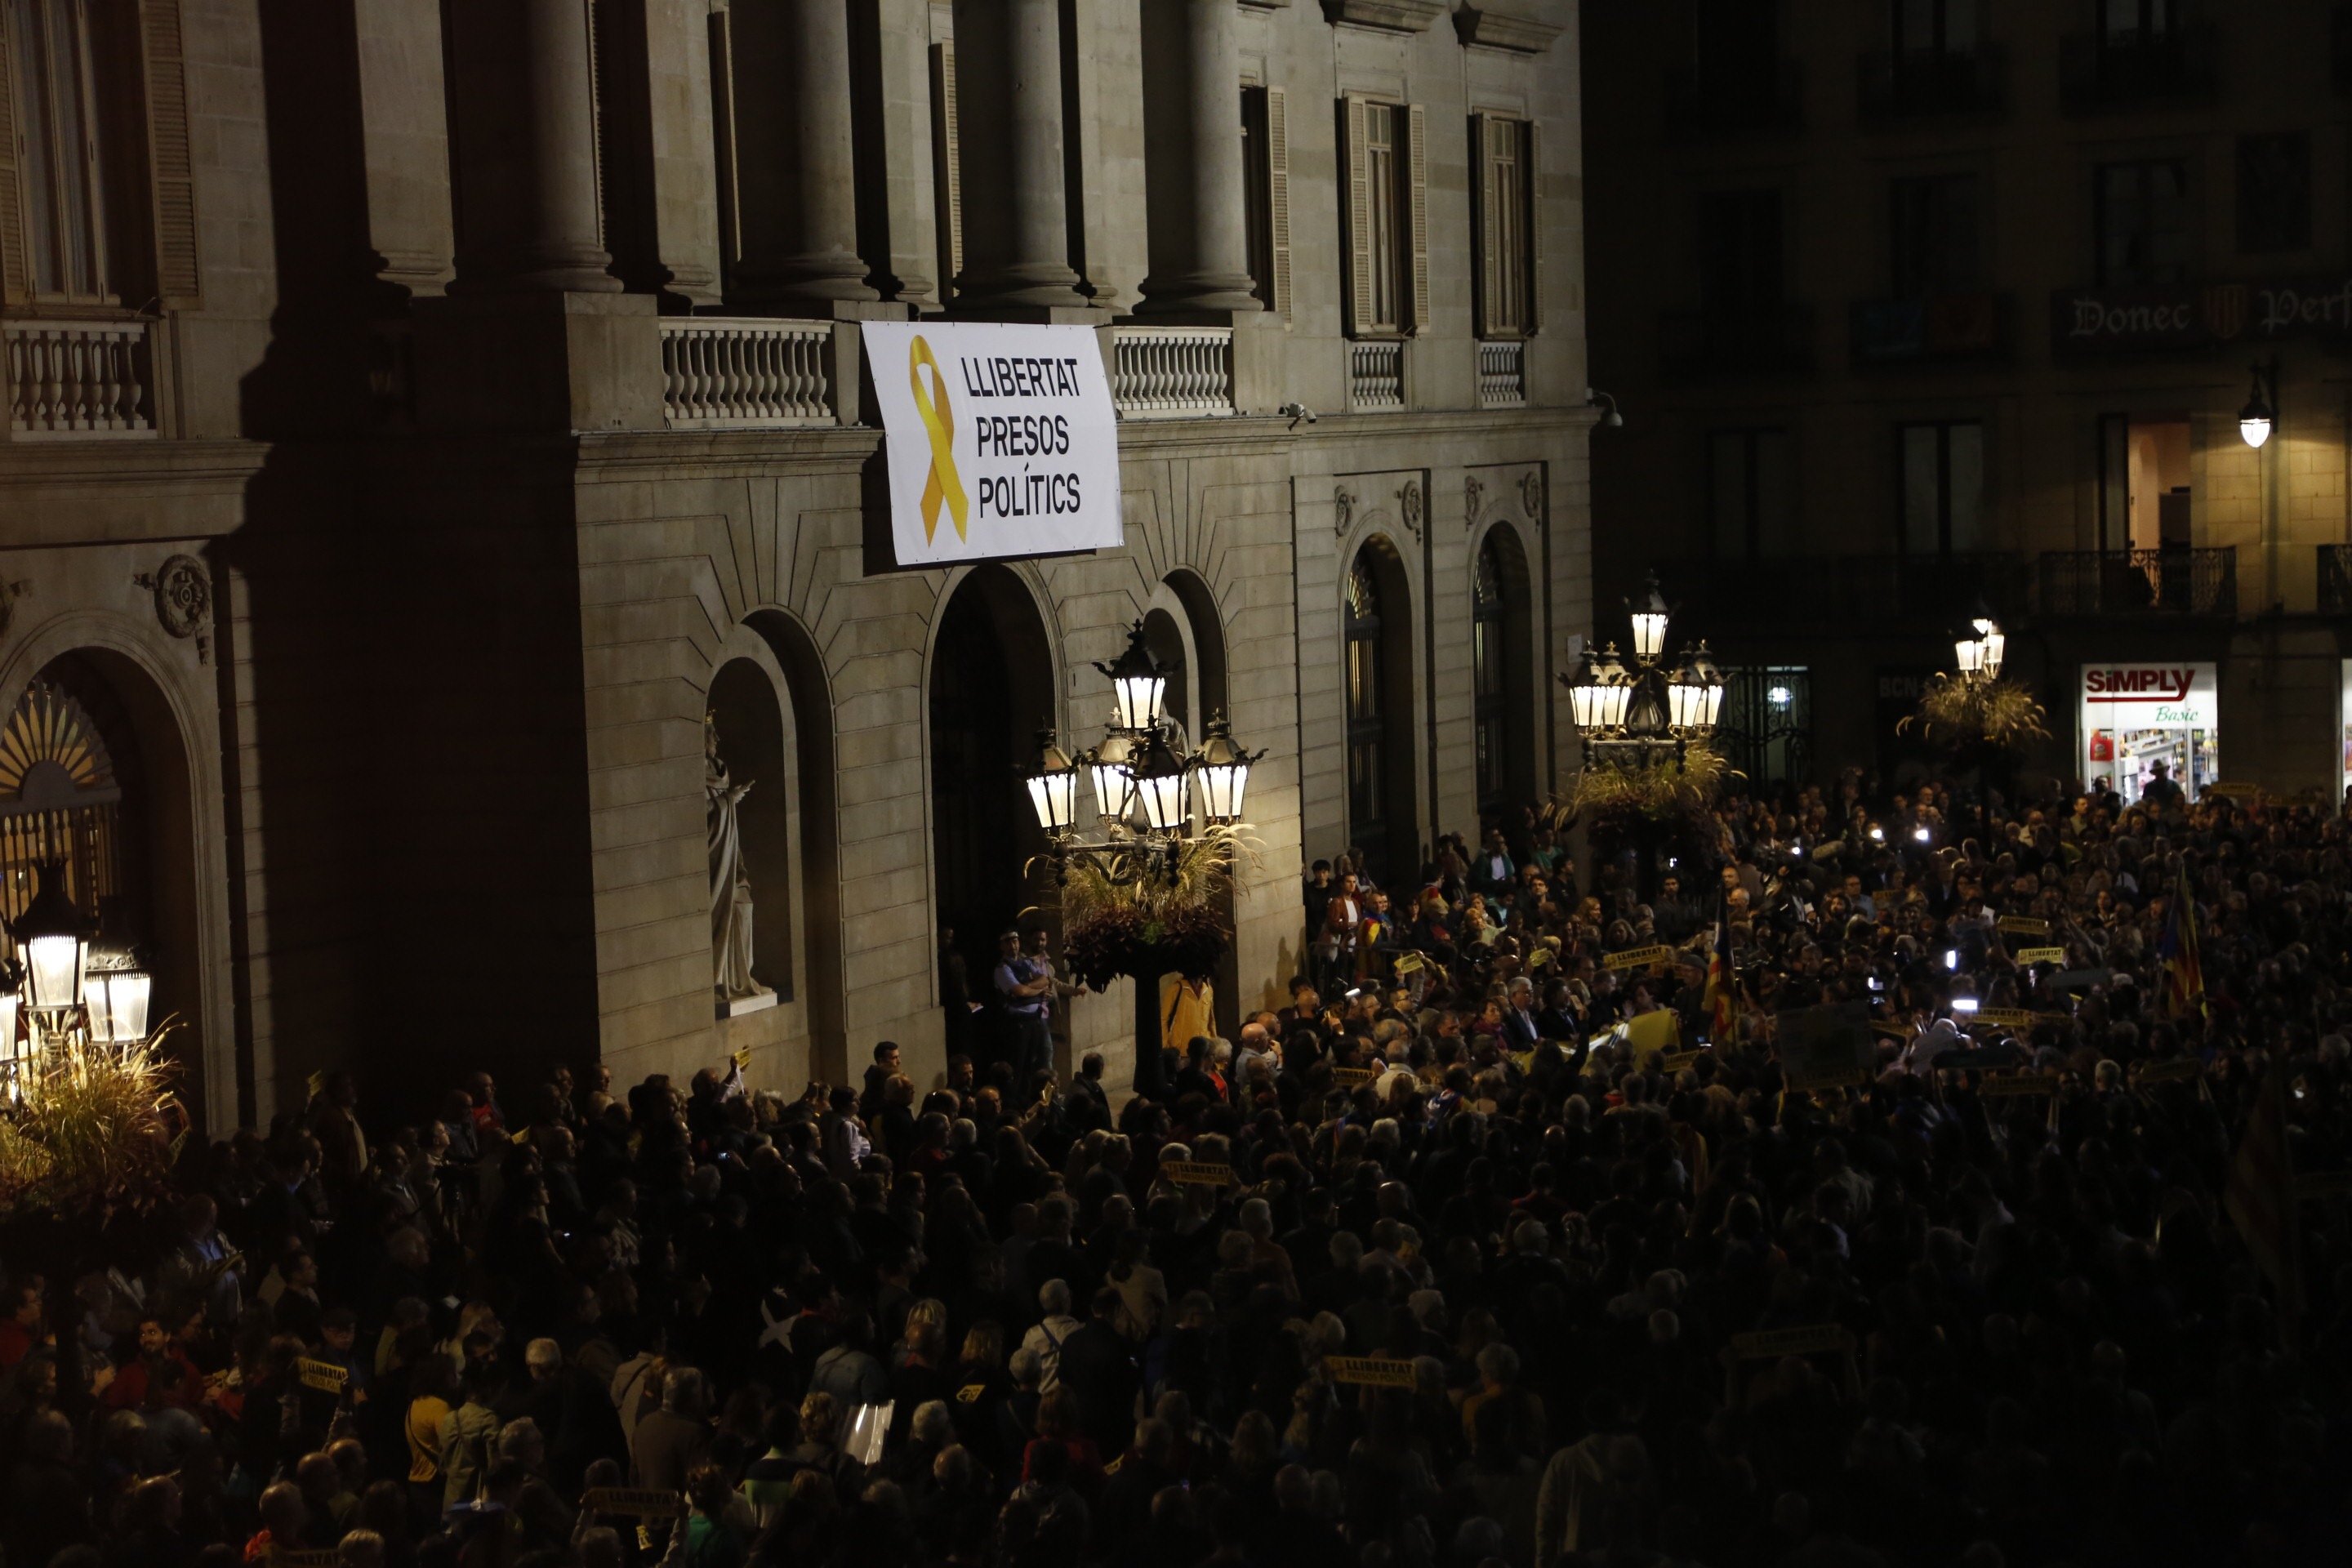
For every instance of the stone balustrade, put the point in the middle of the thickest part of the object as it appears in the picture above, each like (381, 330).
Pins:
(1173, 373)
(1503, 374)
(1376, 373)
(78, 380)
(746, 373)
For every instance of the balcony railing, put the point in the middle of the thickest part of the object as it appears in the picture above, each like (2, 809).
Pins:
(1740, 96)
(1937, 329)
(745, 372)
(1860, 593)
(2097, 72)
(1918, 84)
(1173, 373)
(2173, 581)
(1503, 374)
(78, 380)
(1704, 345)
(1376, 373)
(2335, 579)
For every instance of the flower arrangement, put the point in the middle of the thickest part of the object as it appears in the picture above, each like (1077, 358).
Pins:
(1118, 919)
(1660, 792)
(1997, 715)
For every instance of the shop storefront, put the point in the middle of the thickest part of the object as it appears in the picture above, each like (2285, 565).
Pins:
(2129, 717)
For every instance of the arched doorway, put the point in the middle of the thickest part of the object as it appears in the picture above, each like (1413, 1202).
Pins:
(992, 688)
(1377, 617)
(1500, 660)
(1174, 649)
(94, 776)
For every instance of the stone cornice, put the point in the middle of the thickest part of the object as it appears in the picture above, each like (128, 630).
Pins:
(1389, 16)
(1492, 29)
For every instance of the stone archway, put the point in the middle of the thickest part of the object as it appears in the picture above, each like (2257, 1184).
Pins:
(1502, 674)
(1378, 686)
(991, 688)
(95, 773)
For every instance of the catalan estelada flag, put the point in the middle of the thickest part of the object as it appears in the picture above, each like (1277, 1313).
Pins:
(2184, 975)
(2258, 1194)
(1719, 994)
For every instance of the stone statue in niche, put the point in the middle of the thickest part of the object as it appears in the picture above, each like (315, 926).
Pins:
(731, 887)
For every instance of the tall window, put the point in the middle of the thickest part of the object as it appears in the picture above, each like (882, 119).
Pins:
(1490, 666)
(1748, 487)
(1387, 214)
(1932, 238)
(1941, 465)
(2274, 192)
(1740, 270)
(2123, 23)
(1265, 194)
(1932, 28)
(54, 81)
(1381, 171)
(1367, 709)
(1504, 230)
(2144, 222)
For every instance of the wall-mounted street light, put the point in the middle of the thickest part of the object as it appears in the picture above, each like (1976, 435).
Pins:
(2256, 419)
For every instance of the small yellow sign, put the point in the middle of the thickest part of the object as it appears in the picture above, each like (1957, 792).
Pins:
(1379, 1371)
(326, 1376)
(2041, 955)
(1639, 957)
(1197, 1173)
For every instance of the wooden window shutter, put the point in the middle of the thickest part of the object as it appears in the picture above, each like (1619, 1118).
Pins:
(1417, 136)
(1485, 219)
(171, 170)
(722, 138)
(16, 264)
(1531, 181)
(1277, 196)
(1359, 214)
(947, 165)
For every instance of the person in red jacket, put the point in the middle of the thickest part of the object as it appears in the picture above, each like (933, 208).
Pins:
(144, 1383)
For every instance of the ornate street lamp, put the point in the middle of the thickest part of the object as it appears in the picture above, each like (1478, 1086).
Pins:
(1054, 785)
(1137, 683)
(1977, 647)
(2260, 412)
(54, 939)
(1633, 715)
(1224, 774)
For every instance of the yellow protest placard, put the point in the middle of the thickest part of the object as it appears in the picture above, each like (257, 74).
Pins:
(743, 1059)
(1652, 1034)
(645, 1502)
(1538, 958)
(1675, 1061)
(2022, 925)
(2001, 1018)
(326, 1376)
(292, 1557)
(1348, 1078)
(1770, 1344)
(2041, 955)
(2170, 1070)
(1409, 963)
(1379, 1371)
(318, 1084)
(1639, 957)
(1197, 1173)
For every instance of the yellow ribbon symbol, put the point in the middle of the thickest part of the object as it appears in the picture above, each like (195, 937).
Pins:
(939, 423)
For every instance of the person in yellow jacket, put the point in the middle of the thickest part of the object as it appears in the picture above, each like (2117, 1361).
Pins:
(1187, 1008)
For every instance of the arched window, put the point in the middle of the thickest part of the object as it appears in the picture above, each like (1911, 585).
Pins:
(61, 793)
(1367, 767)
(1488, 664)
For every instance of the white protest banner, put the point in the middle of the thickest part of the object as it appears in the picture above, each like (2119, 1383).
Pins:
(1001, 442)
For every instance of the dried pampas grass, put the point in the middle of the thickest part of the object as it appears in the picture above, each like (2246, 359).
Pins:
(1999, 714)
(94, 1130)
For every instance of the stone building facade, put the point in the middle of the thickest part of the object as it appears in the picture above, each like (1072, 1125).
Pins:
(421, 416)
(1919, 303)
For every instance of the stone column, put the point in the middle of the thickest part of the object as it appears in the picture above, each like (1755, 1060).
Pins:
(1016, 234)
(796, 172)
(1193, 162)
(527, 150)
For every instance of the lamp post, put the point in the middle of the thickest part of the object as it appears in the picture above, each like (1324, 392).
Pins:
(1633, 716)
(1977, 647)
(1147, 788)
(1638, 714)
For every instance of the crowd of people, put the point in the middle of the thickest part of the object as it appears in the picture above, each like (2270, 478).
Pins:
(1446, 1262)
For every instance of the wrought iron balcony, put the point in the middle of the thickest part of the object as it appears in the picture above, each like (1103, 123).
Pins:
(2098, 72)
(1699, 345)
(1937, 329)
(1924, 84)
(1732, 98)
(2169, 582)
